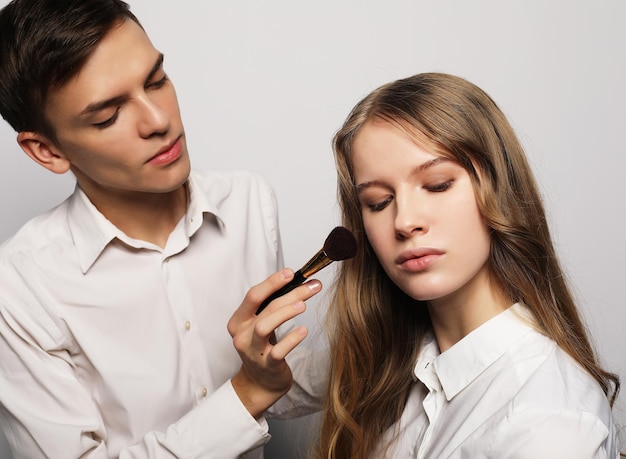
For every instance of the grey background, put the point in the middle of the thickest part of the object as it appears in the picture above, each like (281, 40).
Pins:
(264, 85)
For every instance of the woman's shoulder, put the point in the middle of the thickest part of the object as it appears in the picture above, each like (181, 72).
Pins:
(558, 382)
(559, 407)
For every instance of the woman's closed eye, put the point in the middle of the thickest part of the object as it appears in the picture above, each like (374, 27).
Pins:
(377, 205)
(439, 186)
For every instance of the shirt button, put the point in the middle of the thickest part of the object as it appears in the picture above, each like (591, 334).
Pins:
(187, 325)
(203, 392)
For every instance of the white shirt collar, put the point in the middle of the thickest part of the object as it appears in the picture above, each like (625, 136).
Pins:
(92, 231)
(458, 366)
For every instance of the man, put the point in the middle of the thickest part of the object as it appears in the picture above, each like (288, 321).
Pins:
(114, 306)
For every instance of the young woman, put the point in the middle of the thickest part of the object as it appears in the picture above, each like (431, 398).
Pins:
(453, 331)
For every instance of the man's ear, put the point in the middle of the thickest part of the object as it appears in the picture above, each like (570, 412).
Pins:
(43, 152)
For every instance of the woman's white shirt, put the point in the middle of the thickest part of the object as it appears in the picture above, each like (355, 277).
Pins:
(503, 391)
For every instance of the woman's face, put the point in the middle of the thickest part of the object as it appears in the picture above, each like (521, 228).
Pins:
(420, 216)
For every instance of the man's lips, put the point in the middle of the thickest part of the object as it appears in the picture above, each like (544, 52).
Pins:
(168, 153)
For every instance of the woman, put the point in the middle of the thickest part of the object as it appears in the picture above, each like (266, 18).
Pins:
(453, 331)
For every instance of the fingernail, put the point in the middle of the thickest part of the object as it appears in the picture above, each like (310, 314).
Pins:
(299, 305)
(314, 286)
(286, 273)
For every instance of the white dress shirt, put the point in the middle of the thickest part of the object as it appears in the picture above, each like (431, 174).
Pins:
(114, 347)
(505, 391)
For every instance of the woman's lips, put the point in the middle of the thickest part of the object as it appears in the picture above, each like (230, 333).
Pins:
(418, 260)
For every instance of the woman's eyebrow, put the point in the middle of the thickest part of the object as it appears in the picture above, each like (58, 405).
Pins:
(421, 168)
(362, 186)
(428, 164)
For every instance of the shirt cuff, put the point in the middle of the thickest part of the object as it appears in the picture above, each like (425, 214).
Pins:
(221, 426)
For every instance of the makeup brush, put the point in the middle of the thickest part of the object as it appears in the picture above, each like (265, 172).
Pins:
(339, 245)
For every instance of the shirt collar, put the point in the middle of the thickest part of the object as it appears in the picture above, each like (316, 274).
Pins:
(200, 205)
(458, 366)
(92, 231)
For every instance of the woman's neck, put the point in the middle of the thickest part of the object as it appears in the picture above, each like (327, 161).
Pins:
(455, 316)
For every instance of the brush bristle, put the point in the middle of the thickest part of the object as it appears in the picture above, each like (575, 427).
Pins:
(340, 244)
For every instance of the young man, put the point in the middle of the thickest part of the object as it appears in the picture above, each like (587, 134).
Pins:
(114, 306)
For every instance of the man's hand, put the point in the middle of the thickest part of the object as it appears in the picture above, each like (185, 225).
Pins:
(264, 376)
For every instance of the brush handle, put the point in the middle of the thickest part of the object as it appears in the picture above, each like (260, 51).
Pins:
(298, 278)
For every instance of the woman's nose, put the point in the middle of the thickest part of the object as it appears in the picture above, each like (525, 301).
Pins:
(411, 216)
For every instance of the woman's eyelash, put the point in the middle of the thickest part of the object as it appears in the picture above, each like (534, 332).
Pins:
(378, 206)
(439, 187)
(435, 188)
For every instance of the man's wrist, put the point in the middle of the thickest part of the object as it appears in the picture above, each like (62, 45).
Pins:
(254, 397)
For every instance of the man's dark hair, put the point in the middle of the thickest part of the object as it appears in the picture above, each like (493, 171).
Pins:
(43, 44)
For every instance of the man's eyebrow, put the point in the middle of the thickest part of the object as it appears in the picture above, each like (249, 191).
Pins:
(117, 100)
(157, 65)
(97, 106)
(422, 167)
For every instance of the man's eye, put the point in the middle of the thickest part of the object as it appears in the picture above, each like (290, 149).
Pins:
(108, 122)
(159, 83)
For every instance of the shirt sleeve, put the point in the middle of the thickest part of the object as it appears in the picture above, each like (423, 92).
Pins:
(557, 435)
(220, 428)
(309, 370)
(46, 412)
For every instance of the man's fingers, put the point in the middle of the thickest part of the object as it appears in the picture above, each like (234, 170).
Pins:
(288, 343)
(265, 325)
(255, 296)
(260, 291)
(301, 293)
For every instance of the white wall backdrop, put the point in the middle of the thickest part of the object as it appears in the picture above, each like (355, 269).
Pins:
(264, 85)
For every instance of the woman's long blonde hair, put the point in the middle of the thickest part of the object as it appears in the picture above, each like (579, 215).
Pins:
(376, 330)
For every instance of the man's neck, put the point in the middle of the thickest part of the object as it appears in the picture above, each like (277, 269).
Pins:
(149, 217)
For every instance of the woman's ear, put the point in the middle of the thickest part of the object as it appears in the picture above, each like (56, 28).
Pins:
(42, 151)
